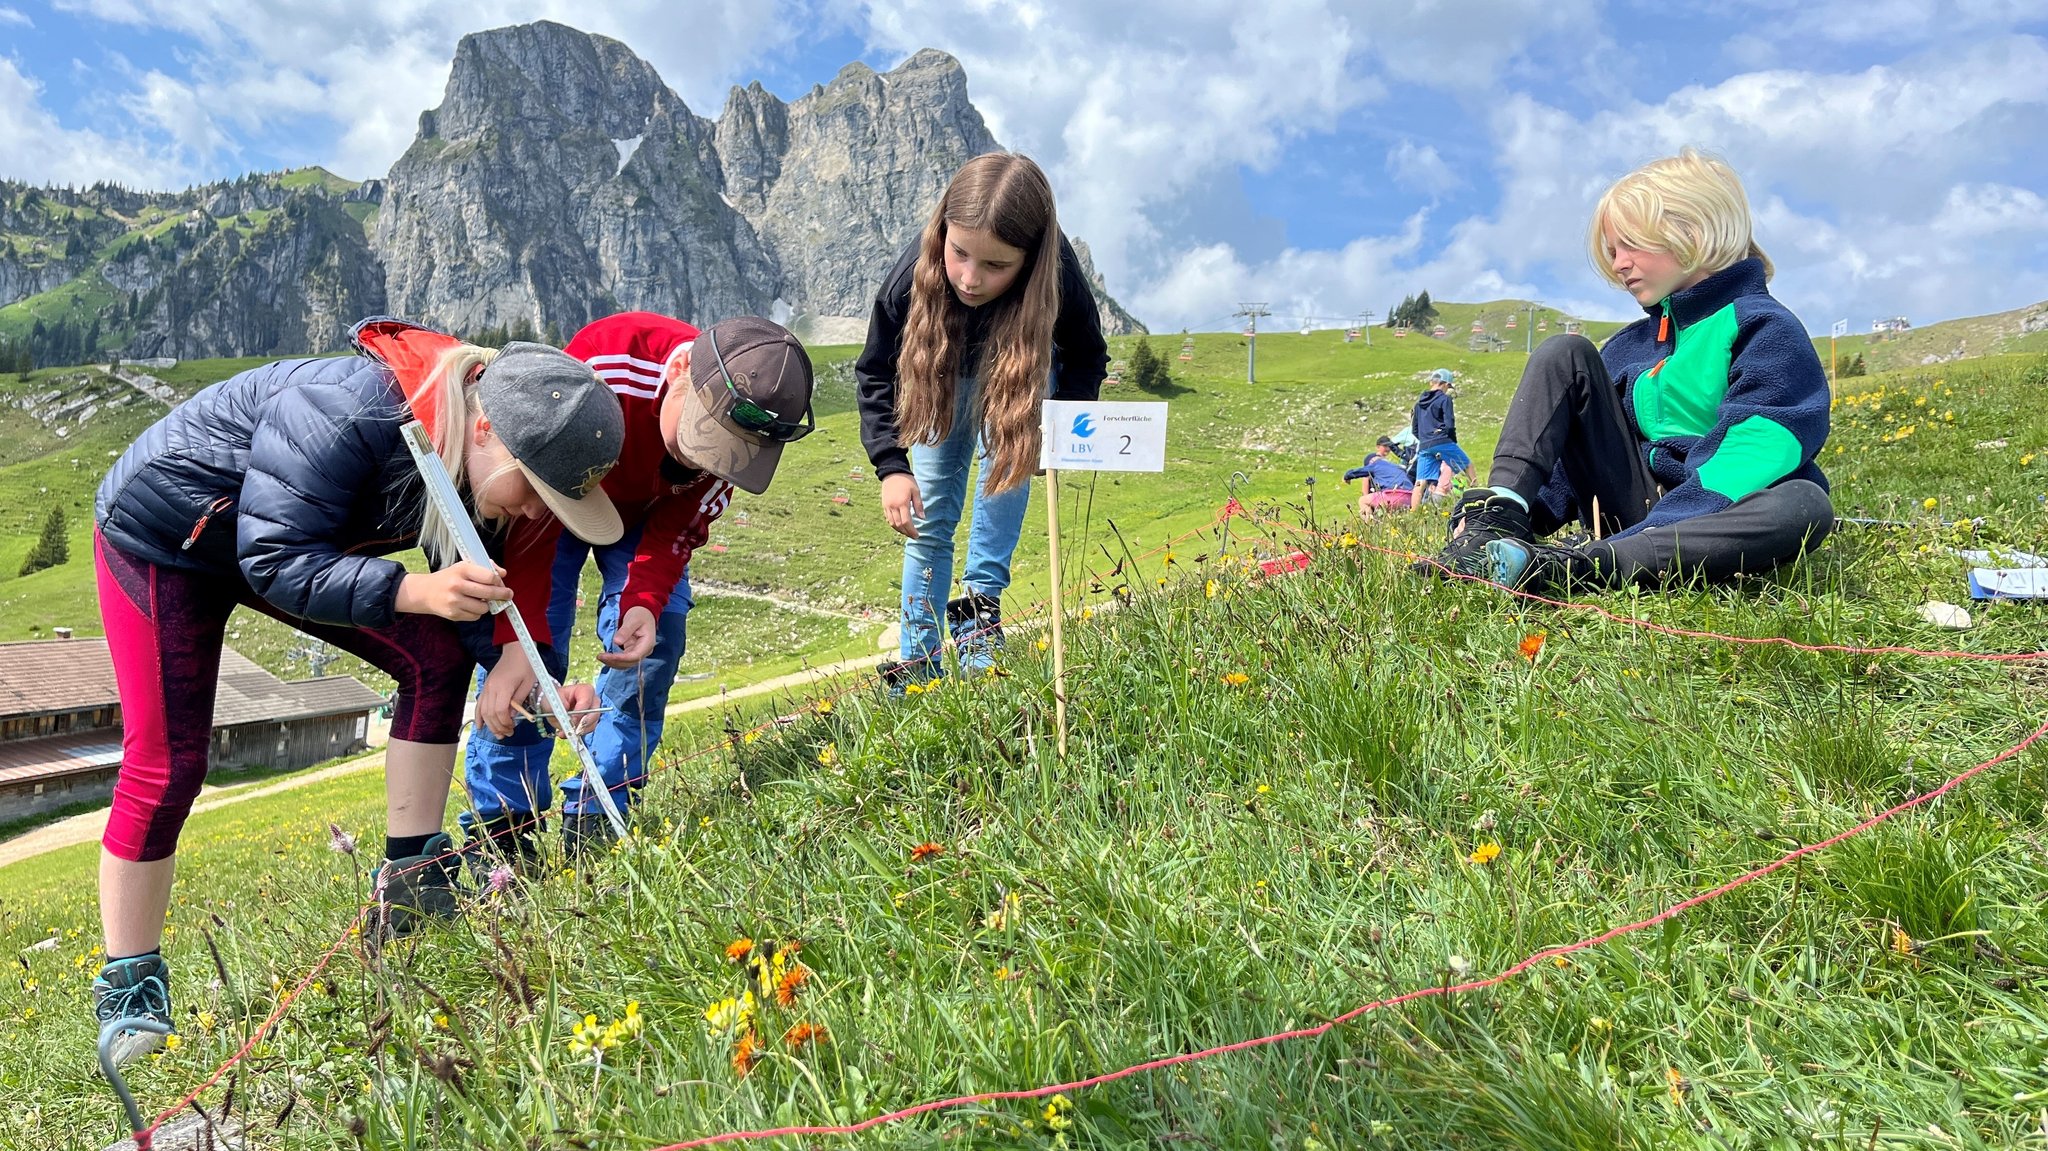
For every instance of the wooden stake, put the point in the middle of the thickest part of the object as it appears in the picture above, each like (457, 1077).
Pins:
(1059, 608)
(1596, 517)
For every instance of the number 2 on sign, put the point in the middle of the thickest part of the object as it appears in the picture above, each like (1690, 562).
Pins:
(1126, 449)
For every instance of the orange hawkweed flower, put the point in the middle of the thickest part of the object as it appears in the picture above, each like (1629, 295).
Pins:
(739, 949)
(746, 1051)
(924, 851)
(804, 1033)
(1532, 646)
(792, 982)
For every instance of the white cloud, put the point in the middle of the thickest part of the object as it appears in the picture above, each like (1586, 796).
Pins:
(372, 67)
(15, 16)
(1420, 168)
(178, 110)
(41, 150)
(1128, 118)
(1890, 21)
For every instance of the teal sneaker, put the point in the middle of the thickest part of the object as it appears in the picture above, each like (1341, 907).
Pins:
(411, 890)
(136, 988)
(1537, 568)
(1479, 518)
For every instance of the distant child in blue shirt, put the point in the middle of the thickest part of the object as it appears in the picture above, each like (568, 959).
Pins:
(1385, 481)
(1694, 431)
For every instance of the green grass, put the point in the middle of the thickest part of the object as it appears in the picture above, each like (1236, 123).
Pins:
(1224, 858)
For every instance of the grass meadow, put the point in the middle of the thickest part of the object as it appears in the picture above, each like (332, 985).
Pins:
(1284, 797)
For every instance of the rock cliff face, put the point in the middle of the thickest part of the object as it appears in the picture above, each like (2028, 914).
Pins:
(559, 180)
(294, 286)
(840, 181)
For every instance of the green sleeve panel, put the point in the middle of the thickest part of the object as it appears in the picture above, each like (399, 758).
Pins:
(1755, 454)
(1682, 395)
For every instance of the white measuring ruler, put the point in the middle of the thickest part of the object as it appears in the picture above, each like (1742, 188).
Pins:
(441, 489)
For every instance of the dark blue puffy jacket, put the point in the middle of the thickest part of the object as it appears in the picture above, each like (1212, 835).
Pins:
(291, 476)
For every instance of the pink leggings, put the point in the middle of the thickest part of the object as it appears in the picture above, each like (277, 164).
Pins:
(164, 631)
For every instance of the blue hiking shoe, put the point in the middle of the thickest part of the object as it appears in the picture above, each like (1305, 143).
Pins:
(1537, 568)
(1480, 517)
(137, 988)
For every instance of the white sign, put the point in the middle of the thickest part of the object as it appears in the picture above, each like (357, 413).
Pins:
(1840, 329)
(1092, 435)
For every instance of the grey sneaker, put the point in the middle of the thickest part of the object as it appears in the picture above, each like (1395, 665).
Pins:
(410, 890)
(976, 622)
(137, 988)
(587, 834)
(512, 839)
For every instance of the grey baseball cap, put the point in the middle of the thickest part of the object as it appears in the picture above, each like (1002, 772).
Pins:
(749, 393)
(564, 429)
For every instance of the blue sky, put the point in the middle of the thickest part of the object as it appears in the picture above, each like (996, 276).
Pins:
(1322, 155)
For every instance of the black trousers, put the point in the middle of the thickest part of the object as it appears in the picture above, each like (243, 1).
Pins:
(1566, 441)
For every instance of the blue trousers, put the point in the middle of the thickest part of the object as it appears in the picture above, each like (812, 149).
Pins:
(941, 473)
(510, 776)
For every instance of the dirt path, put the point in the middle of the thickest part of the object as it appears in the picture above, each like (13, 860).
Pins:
(86, 828)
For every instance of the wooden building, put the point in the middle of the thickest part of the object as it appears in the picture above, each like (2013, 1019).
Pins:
(60, 722)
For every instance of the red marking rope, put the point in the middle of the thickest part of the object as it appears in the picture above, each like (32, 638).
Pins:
(262, 1029)
(1648, 625)
(1230, 509)
(1532, 960)
(859, 684)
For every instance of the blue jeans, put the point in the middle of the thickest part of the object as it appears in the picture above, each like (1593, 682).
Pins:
(510, 776)
(941, 473)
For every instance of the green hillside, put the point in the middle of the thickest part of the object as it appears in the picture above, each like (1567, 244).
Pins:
(2021, 330)
(1285, 798)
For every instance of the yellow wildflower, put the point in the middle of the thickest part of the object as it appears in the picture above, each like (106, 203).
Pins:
(824, 707)
(1930, 503)
(1484, 854)
(1210, 589)
(1056, 1111)
(750, 736)
(728, 1014)
(828, 755)
(1006, 914)
(1237, 679)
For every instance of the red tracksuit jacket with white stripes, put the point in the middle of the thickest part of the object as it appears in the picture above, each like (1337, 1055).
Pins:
(632, 352)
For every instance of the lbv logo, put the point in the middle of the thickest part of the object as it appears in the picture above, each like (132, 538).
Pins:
(1084, 426)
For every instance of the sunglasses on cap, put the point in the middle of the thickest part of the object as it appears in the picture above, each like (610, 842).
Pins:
(753, 418)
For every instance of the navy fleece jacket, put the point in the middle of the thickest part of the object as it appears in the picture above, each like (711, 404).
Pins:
(1722, 385)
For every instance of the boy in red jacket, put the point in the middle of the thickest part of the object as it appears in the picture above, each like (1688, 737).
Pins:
(704, 414)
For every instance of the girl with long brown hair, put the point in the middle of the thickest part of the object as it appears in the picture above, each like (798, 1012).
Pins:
(968, 327)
